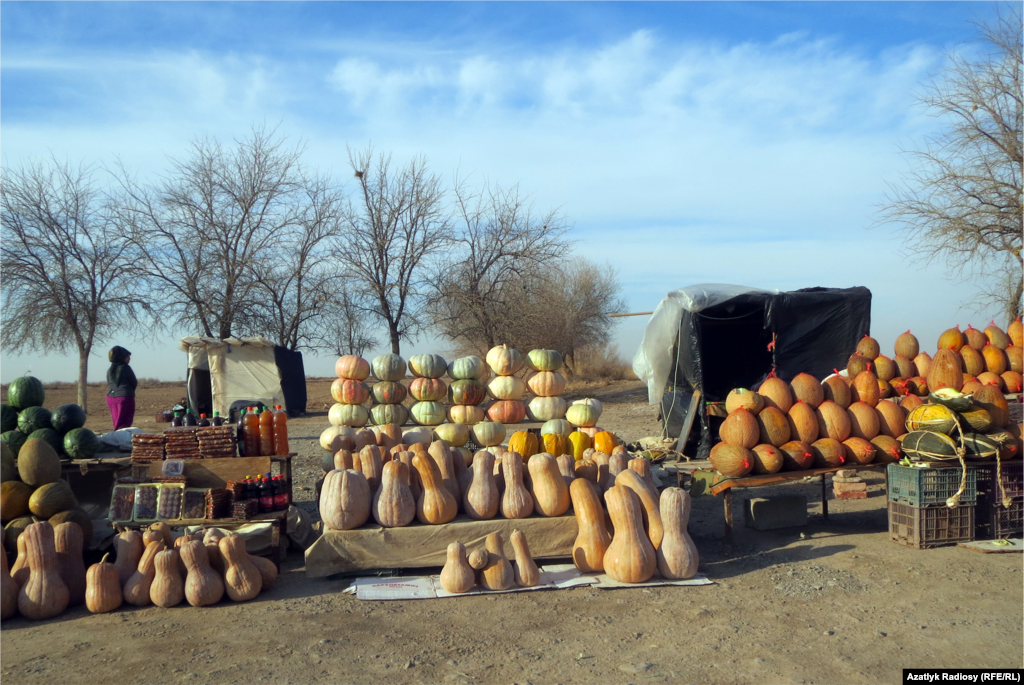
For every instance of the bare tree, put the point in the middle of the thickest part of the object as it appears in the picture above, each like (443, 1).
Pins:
(68, 281)
(345, 329)
(392, 231)
(500, 258)
(962, 203)
(201, 230)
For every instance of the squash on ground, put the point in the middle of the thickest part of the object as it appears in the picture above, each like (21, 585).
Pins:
(593, 539)
(242, 580)
(630, 558)
(44, 595)
(549, 491)
(525, 571)
(677, 555)
(136, 590)
(203, 585)
(648, 497)
(497, 574)
(102, 587)
(68, 543)
(457, 576)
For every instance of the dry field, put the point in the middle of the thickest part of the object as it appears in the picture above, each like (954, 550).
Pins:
(835, 602)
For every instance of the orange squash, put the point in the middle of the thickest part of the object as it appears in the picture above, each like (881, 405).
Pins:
(630, 558)
(435, 505)
(345, 500)
(442, 456)
(523, 442)
(556, 444)
(567, 467)
(482, 498)
(136, 590)
(372, 466)
(129, 548)
(44, 595)
(605, 441)
(593, 539)
(168, 587)
(524, 570)
(548, 489)
(580, 442)
(516, 503)
(102, 587)
(457, 576)
(242, 580)
(67, 539)
(648, 497)
(393, 504)
(203, 585)
(9, 589)
(498, 573)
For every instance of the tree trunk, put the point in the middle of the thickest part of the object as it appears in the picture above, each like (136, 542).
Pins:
(83, 375)
(393, 332)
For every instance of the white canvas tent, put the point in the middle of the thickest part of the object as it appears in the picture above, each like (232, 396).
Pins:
(222, 372)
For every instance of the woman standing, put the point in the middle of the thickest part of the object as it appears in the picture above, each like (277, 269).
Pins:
(121, 384)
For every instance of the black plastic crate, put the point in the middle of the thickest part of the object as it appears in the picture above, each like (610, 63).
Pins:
(1012, 473)
(995, 522)
(919, 487)
(933, 526)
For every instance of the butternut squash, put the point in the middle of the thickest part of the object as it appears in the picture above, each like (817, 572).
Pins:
(677, 555)
(203, 585)
(267, 569)
(631, 557)
(587, 470)
(128, 547)
(516, 503)
(593, 539)
(44, 595)
(550, 493)
(618, 462)
(67, 540)
(643, 469)
(165, 532)
(463, 473)
(20, 569)
(414, 482)
(136, 590)
(344, 460)
(242, 580)
(168, 587)
(344, 500)
(103, 587)
(393, 505)
(497, 574)
(372, 466)
(567, 467)
(435, 505)
(439, 452)
(478, 559)
(650, 509)
(482, 499)
(525, 571)
(9, 589)
(457, 576)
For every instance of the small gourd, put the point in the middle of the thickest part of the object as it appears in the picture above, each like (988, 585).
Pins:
(44, 595)
(9, 589)
(344, 500)
(482, 498)
(343, 459)
(525, 571)
(677, 555)
(478, 559)
(516, 503)
(165, 532)
(567, 467)
(129, 548)
(242, 580)
(151, 535)
(497, 574)
(371, 464)
(549, 491)
(631, 557)
(103, 587)
(442, 456)
(650, 508)
(393, 505)
(136, 590)
(435, 505)
(203, 585)
(267, 569)
(457, 575)
(593, 539)
(168, 588)
(67, 541)
(643, 469)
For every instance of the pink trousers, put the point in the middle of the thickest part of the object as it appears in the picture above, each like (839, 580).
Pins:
(122, 411)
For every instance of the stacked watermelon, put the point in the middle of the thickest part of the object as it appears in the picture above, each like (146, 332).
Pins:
(24, 417)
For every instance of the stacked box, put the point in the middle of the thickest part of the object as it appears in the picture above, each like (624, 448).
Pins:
(926, 487)
(931, 526)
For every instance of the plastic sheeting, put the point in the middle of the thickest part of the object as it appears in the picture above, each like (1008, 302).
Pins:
(240, 369)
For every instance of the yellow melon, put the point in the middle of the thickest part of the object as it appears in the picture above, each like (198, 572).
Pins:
(996, 336)
(732, 461)
(974, 362)
(745, 399)
(885, 368)
(858, 451)
(740, 428)
(863, 420)
(887, 449)
(892, 419)
(906, 345)
(776, 393)
(803, 422)
(995, 359)
(807, 388)
(828, 452)
(797, 455)
(865, 388)
(951, 339)
(836, 389)
(767, 459)
(974, 337)
(833, 421)
(945, 371)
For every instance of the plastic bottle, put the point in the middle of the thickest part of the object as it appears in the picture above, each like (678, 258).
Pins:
(240, 438)
(286, 495)
(190, 418)
(251, 489)
(203, 421)
(280, 430)
(252, 434)
(176, 421)
(266, 433)
(280, 498)
(217, 419)
(266, 496)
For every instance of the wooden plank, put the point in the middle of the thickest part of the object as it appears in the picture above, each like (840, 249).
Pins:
(215, 473)
(691, 413)
(771, 479)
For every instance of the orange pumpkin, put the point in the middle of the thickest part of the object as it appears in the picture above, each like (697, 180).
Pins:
(605, 441)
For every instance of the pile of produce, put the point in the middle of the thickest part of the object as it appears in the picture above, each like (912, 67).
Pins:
(428, 389)
(350, 392)
(389, 392)
(24, 417)
(467, 391)
(546, 383)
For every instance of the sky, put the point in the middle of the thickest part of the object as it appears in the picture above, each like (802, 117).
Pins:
(749, 143)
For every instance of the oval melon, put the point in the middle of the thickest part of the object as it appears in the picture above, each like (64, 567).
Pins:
(26, 392)
(14, 496)
(767, 459)
(858, 363)
(992, 400)
(892, 419)
(932, 417)
(995, 359)
(1015, 331)
(974, 363)
(833, 422)
(1015, 356)
(865, 388)
(951, 339)
(828, 453)
(745, 399)
(741, 429)
(858, 451)
(904, 366)
(776, 393)
(797, 455)
(989, 378)
(38, 463)
(1013, 380)
(806, 388)
(945, 371)
(32, 419)
(773, 427)
(868, 347)
(8, 418)
(8, 465)
(863, 421)
(731, 461)
(885, 368)
(51, 499)
(907, 345)
(67, 417)
(996, 336)
(975, 338)
(836, 389)
(803, 422)
(887, 449)
(923, 363)
(975, 419)
(911, 402)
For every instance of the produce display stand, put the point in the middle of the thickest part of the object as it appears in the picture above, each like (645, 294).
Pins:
(420, 546)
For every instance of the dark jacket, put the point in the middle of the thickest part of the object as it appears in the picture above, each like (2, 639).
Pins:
(121, 381)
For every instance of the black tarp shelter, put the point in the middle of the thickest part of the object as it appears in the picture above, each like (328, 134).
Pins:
(713, 338)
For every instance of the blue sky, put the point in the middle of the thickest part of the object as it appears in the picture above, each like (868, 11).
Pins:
(732, 142)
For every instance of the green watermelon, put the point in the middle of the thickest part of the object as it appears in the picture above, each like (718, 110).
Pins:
(67, 417)
(81, 443)
(50, 436)
(26, 392)
(14, 439)
(8, 418)
(33, 419)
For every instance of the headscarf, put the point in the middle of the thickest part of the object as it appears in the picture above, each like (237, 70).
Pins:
(118, 355)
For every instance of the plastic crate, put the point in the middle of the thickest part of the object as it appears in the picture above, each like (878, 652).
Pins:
(925, 487)
(934, 526)
(994, 521)
(1012, 473)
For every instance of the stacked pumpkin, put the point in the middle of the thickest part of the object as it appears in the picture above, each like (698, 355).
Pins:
(506, 388)
(350, 391)
(466, 390)
(389, 392)
(546, 383)
(428, 389)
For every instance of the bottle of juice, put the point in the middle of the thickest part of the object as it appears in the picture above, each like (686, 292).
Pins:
(280, 430)
(266, 496)
(266, 433)
(240, 439)
(203, 422)
(252, 434)
(217, 419)
(176, 421)
(280, 497)
(190, 418)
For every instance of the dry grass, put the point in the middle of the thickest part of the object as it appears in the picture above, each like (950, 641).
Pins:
(601, 364)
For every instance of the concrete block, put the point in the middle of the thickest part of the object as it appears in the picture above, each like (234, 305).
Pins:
(857, 494)
(846, 473)
(850, 487)
(781, 511)
(837, 479)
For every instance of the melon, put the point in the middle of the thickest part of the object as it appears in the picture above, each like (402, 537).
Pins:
(973, 361)
(75, 516)
(767, 459)
(975, 339)
(996, 336)
(858, 363)
(858, 451)
(731, 461)
(885, 389)
(892, 419)
(67, 417)
(796, 455)
(36, 418)
(1007, 443)
(904, 366)
(932, 417)
(806, 388)
(773, 427)
(26, 392)
(836, 389)
(865, 388)
(8, 418)
(803, 422)
(741, 429)
(776, 393)
(1015, 331)
(887, 449)
(38, 463)
(15, 528)
(828, 453)
(14, 439)
(833, 421)
(54, 439)
(868, 347)
(1013, 380)
(81, 443)
(906, 345)
(995, 359)
(970, 387)
(923, 363)
(988, 397)
(911, 402)
(743, 398)
(863, 420)
(945, 371)
(8, 464)
(51, 499)
(885, 368)
(1015, 358)
(918, 386)
(976, 419)
(951, 339)
(14, 497)
(987, 378)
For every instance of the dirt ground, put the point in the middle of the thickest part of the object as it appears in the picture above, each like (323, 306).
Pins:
(835, 602)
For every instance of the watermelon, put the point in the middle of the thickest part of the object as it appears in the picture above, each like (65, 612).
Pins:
(26, 392)
(8, 418)
(14, 439)
(81, 443)
(33, 419)
(67, 417)
(50, 436)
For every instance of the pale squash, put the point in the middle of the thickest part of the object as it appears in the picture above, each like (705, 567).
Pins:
(630, 558)
(618, 462)
(677, 555)
(482, 499)
(371, 465)
(549, 491)
(411, 475)
(44, 595)
(477, 559)
(267, 569)
(524, 570)
(462, 460)
(242, 580)
(203, 585)
(393, 503)
(567, 467)
(129, 548)
(497, 574)
(435, 505)
(442, 456)
(516, 503)
(643, 469)
(345, 500)
(67, 540)
(136, 590)
(593, 539)
(344, 460)
(168, 587)
(102, 587)
(587, 470)
(457, 576)
(648, 497)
